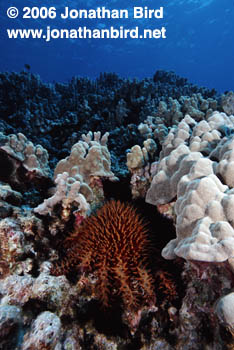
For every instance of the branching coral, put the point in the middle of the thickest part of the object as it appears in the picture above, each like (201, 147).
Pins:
(113, 244)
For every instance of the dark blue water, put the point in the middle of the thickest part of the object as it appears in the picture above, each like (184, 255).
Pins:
(199, 43)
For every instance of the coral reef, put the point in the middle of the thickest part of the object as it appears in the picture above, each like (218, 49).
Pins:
(168, 114)
(63, 112)
(90, 261)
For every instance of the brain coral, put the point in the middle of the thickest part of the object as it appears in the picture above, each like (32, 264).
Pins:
(113, 245)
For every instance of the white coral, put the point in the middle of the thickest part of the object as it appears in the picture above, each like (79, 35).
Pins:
(33, 158)
(205, 205)
(67, 193)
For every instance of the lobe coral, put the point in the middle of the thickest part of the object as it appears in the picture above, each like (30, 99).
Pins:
(113, 245)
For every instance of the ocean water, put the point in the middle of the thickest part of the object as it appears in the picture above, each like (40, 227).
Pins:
(199, 42)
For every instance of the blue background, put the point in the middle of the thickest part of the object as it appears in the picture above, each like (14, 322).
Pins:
(199, 44)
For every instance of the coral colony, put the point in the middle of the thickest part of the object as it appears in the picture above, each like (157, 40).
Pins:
(117, 227)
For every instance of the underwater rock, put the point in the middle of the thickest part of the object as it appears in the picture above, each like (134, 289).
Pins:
(10, 196)
(45, 333)
(198, 323)
(71, 341)
(5, 210)
(55, 292)
(16, 290)
(13, 246)
(10, 324)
